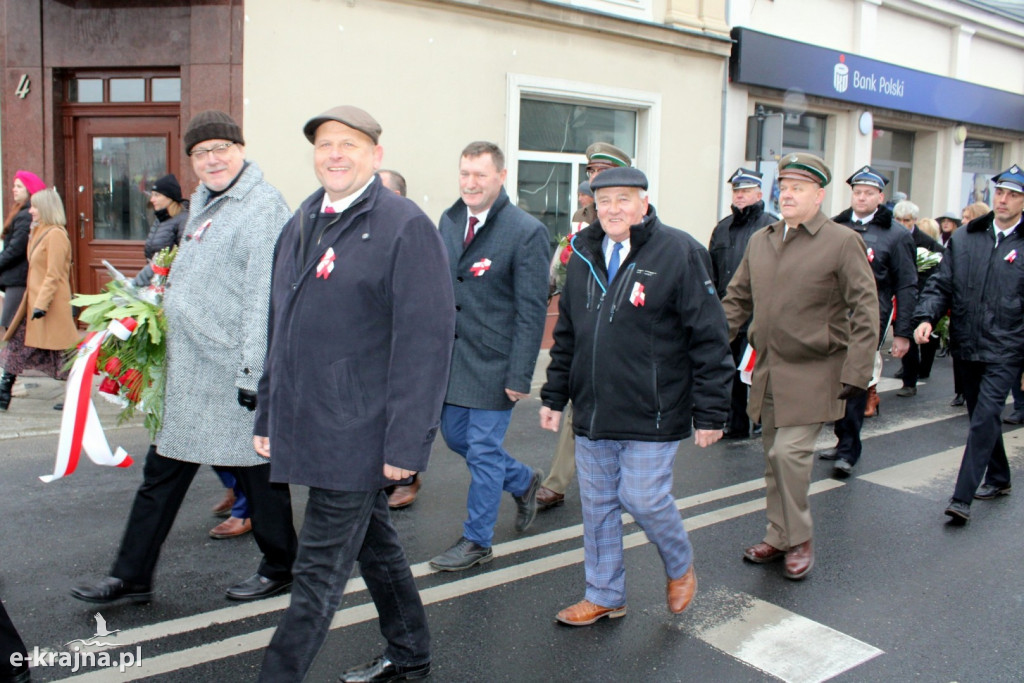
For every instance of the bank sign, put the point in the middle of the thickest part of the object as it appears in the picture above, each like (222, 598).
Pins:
(764, 60)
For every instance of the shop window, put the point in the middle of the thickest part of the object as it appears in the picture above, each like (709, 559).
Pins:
(982, 160)
(551, 127)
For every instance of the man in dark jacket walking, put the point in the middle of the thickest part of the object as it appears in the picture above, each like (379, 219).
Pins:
(891, 255)
(499, 257)
(642, 335)
(361, 324)
(981, 280)
(728, 242)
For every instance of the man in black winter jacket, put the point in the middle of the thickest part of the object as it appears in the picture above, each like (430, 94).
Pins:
(981, 280)
(891, 255)
(728, 242)
(641, 348)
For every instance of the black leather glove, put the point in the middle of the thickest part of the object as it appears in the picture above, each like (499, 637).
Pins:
(38, 313)
(849, 392)
(247, 399)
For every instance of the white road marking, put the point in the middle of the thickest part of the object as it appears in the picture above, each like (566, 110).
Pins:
(256, 640)
(777, 641)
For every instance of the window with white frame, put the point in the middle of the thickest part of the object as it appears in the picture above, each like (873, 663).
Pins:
(632, 9)
(551, 125)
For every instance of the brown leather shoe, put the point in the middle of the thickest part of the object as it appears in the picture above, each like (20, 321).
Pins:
(763, 553)
(680, 591)
(585, 613)
(799, 561)
(874, 403)
(223, 508)
(546, 498)
(404, 496)
(231, 527)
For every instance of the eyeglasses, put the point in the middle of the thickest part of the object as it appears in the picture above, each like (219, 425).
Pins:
(219, 151)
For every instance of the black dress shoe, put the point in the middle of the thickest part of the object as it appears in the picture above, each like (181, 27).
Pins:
(15, 674)
(959, 513)
(828, 454)
(257, 586)
(463, 555)
(111, 589)
(990, 492)
(383, 669)
(1014, 418)
(958, 400)
(843, 468)
(526, 504)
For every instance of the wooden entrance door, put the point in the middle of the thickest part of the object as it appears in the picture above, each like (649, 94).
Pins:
(115, 161)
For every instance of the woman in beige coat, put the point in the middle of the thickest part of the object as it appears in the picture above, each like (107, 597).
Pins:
(43, 328)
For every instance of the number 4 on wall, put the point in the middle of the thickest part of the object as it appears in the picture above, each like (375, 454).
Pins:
(23, 86)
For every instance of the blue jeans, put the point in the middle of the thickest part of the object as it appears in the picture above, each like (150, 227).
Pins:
(341, 527)
(635, 476)
(477, 436)
(240, 510)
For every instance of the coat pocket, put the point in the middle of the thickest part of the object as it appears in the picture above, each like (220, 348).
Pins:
(349, 391)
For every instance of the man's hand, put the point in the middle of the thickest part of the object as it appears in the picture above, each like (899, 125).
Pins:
(706, 437)
(550, 419)
(900, 346)
(849, 391)
(515, 395)
(247, 399)
(38, 313)
(261, 444)
(923, 333)
(397, 473)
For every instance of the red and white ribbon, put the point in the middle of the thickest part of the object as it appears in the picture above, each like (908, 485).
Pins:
(480, 267)
(80, 427)
(637, 296)
(747, 365)
(326, 265)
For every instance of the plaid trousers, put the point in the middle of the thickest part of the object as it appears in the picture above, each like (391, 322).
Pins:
(635, 476)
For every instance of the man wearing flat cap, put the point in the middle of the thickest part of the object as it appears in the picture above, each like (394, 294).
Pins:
(216, 309)
(728, 242)
(981, 280)
(601, 156)
(641, 333)
(361, 327)
(893, 258)
(815, 336)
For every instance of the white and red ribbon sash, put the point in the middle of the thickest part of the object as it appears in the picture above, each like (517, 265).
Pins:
(637, 296)
(480, 267)
(80, 426)
(746, 367)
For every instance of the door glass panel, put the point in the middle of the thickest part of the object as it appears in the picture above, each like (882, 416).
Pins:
(166, 89)
(127, 89)
(545, 193)
(123, 169)
(86, 90)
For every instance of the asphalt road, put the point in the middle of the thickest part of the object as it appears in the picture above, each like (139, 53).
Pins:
(896, 593)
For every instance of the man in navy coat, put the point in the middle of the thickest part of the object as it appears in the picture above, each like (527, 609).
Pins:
(499, 258)
(360, 335)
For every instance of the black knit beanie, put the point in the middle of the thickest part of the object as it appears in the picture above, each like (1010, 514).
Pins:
(211, 125)
(168, 186)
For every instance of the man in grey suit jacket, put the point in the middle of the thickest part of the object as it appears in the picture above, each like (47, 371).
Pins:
(498, 256)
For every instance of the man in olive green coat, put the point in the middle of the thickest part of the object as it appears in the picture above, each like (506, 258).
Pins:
(815, 336)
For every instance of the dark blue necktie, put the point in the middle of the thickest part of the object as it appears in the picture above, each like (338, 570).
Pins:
(613, 263)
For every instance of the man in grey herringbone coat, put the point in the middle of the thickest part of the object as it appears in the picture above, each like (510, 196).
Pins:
(498, 256)
(216, 306)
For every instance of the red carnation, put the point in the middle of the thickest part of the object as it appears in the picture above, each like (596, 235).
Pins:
(566, 253)
(113, 366)
(109, 386)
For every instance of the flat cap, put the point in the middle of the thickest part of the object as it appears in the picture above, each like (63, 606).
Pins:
(584, 188)
(1010, 179)
(868, 176)
(744, 177)
(804, 166)
(353, 117)
(619, 177)
(607, 154)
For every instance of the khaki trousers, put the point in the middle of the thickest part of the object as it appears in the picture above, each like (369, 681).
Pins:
(789, 461)
(563, 465)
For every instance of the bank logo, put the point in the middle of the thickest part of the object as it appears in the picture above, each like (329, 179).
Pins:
(841, 75)
(101, 632)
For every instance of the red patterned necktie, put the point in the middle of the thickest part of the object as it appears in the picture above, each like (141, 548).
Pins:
(473, 220)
